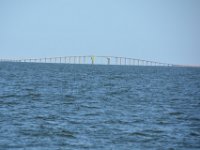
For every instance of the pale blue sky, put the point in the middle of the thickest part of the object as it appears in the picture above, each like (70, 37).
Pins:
(161, 30)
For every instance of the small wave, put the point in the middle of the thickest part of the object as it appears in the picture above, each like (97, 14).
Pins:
(92, 114)
(65, 133)
(69, 97)
(34, 95)
(175, 113)
(10, 103)
(48, 133)
(8, 96)
(90, 107)
(139, 134)
(194, 134)
(163, 123)
(29, 89)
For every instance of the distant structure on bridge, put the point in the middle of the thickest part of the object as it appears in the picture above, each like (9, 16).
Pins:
(101, 60)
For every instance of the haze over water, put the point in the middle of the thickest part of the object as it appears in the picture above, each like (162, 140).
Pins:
(60, 106)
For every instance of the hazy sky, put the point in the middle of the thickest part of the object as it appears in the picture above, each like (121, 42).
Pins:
(161, 30)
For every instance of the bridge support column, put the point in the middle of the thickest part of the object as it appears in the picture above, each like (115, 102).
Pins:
(108, 61)
(92, 59)
(79, 59)
(116, 61)
(84, 60)
(69, 60)
(65, 60)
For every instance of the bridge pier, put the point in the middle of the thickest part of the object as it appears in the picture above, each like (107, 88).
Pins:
(108, 61)
(116, 60)
(84, 60)
(92, 59)
(133, 62)
(79, 59)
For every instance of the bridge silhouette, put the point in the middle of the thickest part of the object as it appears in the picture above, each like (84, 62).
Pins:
(101, 60)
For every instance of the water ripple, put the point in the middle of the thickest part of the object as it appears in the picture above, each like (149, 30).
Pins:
(57, 106)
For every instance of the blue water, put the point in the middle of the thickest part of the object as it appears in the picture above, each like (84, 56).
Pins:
(58, 106)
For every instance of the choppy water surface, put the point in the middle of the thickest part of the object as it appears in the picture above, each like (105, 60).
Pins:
(57, 106)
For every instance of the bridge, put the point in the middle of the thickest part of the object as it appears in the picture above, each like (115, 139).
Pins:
(101, 60)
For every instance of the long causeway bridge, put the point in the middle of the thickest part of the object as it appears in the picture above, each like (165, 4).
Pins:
(101, 60)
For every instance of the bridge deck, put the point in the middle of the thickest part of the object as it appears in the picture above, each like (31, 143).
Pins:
(104, 60)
